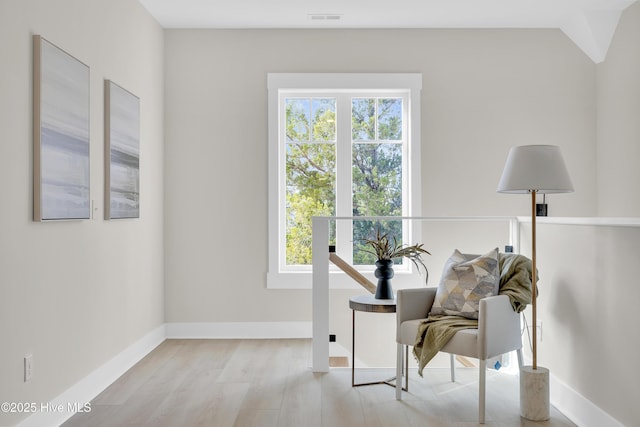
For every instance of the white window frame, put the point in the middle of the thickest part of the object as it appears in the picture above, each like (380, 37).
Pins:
(375, 83)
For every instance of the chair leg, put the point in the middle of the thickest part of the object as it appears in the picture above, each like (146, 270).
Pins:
(452, 362)
(399, 370)
(406, 368)
(482, 387)
(520, 358)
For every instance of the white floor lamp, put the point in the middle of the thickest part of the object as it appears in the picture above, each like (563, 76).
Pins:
(534, 169)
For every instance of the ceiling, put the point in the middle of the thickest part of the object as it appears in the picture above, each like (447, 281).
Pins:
(589, 23)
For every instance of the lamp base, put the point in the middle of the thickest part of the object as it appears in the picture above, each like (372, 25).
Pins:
(534, 393)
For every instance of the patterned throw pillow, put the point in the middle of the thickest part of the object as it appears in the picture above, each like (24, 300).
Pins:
(465, 282)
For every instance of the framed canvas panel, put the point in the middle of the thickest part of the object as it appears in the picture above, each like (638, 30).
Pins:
(60, 134)
(122, 152)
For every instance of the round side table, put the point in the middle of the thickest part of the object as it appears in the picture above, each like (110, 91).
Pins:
(369, 304)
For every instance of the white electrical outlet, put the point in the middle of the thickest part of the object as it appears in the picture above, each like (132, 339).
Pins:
(28, 367)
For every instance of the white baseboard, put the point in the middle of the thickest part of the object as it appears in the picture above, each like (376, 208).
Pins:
(578, 408)
(239, 330)
(74, 398)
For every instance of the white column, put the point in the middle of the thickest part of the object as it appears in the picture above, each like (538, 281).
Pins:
(320, 294)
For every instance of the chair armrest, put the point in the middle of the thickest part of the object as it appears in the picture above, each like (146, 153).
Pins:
(498, 327)
(413, 304)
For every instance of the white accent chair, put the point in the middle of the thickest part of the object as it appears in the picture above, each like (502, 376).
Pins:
(498, 333)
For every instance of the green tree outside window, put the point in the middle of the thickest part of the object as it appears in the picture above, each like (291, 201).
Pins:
(376, 172)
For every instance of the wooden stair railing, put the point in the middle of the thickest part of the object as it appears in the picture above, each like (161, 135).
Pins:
(351, 272)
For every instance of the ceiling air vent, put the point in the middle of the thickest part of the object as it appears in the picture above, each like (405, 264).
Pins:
(324, 17)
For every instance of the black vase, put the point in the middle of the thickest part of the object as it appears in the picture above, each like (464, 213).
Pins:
(384, 273)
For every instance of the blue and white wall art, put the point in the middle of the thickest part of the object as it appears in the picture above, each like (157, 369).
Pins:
(60, 134)
(122, 153)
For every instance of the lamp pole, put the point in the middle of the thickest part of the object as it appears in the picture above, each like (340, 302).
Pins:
(534, 287)
(534, 169)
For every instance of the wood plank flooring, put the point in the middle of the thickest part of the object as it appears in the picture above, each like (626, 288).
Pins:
(268, 383)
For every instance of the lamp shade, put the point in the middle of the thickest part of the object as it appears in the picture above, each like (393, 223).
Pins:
(537, 168)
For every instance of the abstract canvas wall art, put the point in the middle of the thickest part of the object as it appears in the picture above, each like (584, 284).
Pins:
(122, 153)
(60, 134)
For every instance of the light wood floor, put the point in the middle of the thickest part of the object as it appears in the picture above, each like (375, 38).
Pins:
(268, 383)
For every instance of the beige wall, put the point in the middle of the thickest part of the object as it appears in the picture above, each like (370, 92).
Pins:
(588, 290)
(588, 281)
(483, 91)
(618, 152)
(75, 294)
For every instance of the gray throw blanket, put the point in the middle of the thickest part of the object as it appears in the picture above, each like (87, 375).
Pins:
(437, 330)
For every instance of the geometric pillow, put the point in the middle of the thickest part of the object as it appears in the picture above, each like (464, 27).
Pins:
(465, 282)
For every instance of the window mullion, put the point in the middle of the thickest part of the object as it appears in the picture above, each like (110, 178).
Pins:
(407, 226)
(344, 229)
(282, 179)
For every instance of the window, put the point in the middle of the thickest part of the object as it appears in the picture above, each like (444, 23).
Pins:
(339, 145)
